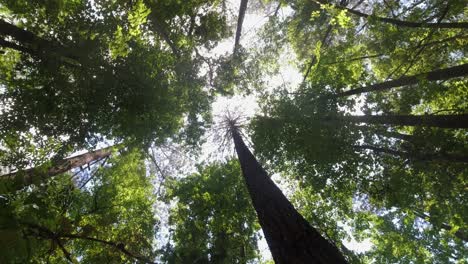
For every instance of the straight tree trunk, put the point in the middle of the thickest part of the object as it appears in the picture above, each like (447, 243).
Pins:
(441, 74)
(442, 121)
(240, 21)
(36, 174)
(291, 239)
(401, 23)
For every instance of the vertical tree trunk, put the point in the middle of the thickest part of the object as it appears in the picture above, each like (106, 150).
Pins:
(442, 121)
(290, 237)
(441, 74)
(240, 21)
(36, 174)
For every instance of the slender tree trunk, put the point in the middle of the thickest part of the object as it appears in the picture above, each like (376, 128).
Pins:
(442, 121)
(401, 23)
(433, 157)
(36, 174)
(325, 43)
(442, 74)
(290, 237)
(240, 21)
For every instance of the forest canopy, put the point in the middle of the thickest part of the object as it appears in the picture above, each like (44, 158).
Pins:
(118, 142)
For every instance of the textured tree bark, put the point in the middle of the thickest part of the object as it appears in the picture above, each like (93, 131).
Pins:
(442, 121)
(291, 239)
(442, 74)
(29, 176)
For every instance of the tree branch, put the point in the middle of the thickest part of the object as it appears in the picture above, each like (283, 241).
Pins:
(397, 22)
(118, 246)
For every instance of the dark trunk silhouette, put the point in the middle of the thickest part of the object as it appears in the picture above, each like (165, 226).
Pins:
(442, 74)
(30, 43)
(416, 156)
(240, 21)
(290, 237)
(36, 174)
(401, 23)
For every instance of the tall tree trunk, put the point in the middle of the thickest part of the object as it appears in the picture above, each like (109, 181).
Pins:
(36, 174)
(401, 23)
(441, 74)
(442, 121)
(240, 21)
(290, 237)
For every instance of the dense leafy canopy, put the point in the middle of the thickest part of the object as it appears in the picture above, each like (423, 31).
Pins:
(371, 144)
(110, 217)
(93, 70)
(213, 219)
(410, 179)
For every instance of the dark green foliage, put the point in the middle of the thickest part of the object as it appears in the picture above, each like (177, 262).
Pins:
(115, 207)
(399, 174)
(89, 75)
(213, 220)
